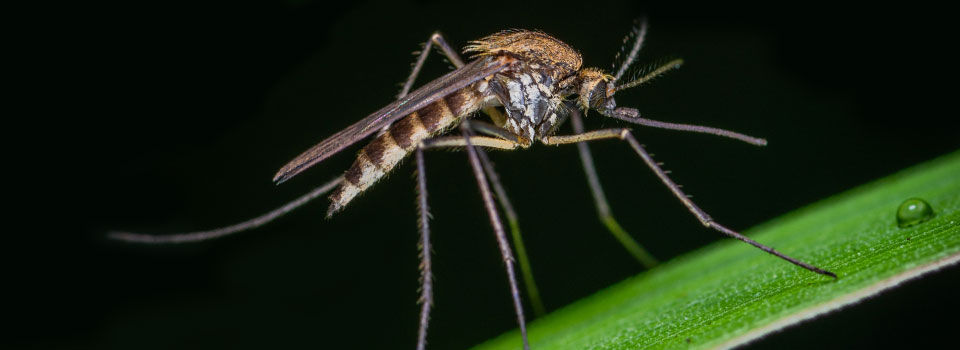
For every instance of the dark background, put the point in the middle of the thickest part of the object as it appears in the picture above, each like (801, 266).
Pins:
(176, 115)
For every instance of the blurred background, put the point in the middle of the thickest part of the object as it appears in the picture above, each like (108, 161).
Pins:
(181, 112)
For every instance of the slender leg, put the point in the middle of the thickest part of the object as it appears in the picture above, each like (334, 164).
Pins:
(426, 271)
(603, 207)
(435, 39)
(505, 144)
(226, 230)
(706, 220)
(586, 136)
(498, 230)
(426, 297)
(525, 267)
(457, 141)
(496, 131)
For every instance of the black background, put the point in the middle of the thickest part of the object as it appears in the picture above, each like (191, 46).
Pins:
(174, 116)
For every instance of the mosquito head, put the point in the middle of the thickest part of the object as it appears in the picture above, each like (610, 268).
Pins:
(596, 90)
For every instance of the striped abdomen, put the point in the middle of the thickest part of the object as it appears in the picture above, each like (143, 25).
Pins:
(401, 138)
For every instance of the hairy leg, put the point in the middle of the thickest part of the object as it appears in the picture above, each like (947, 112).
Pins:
(197, 236)
(505, 142)
(705, 219)
(526, 268)
(426, 270)
(505, 250)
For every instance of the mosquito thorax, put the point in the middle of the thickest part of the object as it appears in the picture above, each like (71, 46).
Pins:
(533, 89)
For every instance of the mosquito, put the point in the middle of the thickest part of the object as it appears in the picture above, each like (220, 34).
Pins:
(527, 83)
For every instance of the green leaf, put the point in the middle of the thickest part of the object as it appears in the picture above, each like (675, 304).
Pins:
(730, 293)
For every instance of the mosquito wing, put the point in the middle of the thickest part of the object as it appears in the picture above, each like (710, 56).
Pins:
(417, 99)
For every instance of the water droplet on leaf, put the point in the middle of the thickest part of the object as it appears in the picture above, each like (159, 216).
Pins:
(913, 211)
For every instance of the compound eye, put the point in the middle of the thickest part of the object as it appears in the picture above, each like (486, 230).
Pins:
(599, 94)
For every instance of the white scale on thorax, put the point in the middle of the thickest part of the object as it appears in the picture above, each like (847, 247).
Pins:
(527, 93)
